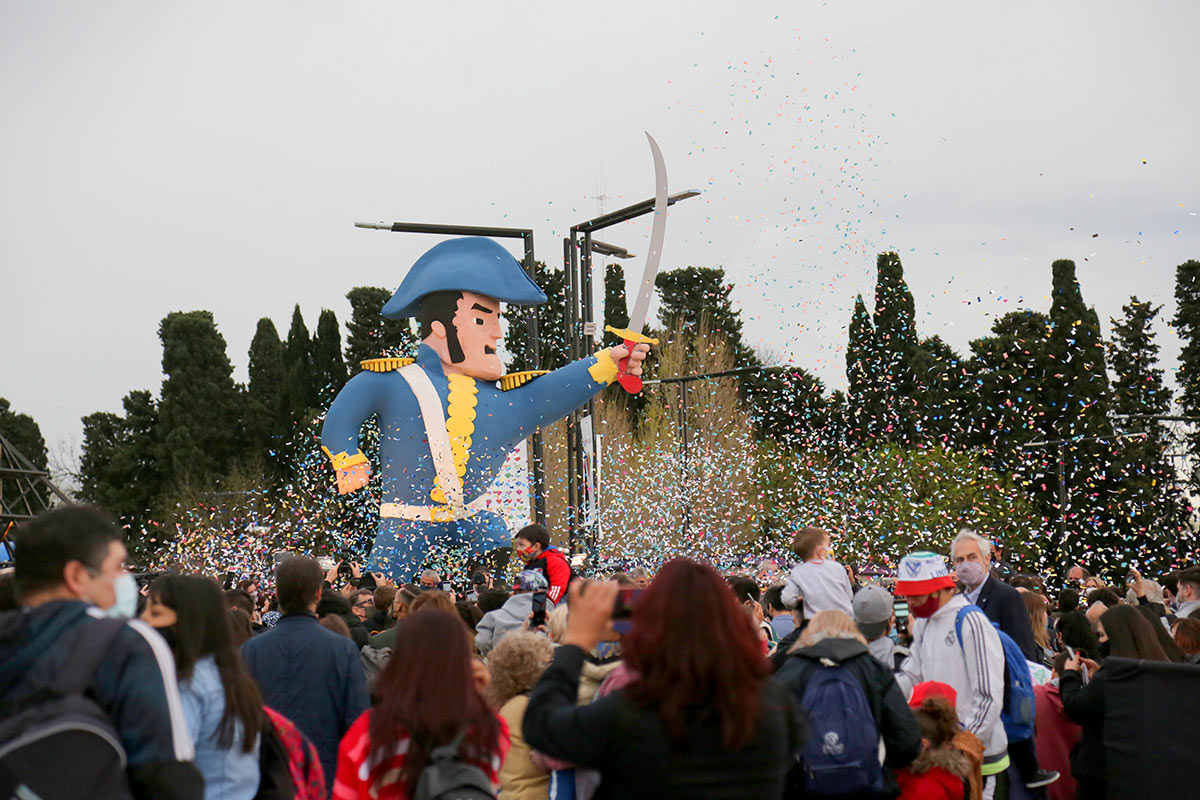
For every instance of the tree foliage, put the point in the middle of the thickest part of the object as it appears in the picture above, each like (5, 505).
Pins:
(199, 430)
(369, 335)
(552, 331)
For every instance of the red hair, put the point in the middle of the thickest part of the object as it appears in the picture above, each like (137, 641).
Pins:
(427, 692)
(692, 646)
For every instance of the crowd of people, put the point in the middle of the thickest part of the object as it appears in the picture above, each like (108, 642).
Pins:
(955, 678)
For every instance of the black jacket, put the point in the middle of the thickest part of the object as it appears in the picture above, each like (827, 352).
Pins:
(134, 684)
(897, 725)
(1084, 705)
(636, 758)
(1004, 606)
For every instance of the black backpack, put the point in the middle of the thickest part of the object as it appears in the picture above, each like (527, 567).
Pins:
(448, 777)
(56, 741)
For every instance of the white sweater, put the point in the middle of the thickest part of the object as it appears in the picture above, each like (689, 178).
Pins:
(824, 585)
(975, 669)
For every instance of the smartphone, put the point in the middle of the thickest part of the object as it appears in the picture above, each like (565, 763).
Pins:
(900, 609)
(539, 609)
(444, 586)
(623, 606)
(1083, 670)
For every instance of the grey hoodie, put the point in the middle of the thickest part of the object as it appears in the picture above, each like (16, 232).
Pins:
(885, 650)
(497, 624)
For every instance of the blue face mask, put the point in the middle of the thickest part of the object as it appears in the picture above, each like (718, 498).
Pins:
(126, 590)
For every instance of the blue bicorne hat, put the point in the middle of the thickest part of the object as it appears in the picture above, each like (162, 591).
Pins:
(471, 264)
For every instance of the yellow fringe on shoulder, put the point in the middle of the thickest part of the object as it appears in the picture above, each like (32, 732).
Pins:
(460, 424)
(515, 380)
(385, 364)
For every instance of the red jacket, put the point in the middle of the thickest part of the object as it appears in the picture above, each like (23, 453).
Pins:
(557, 569)
(1055, 737)
(937, 774)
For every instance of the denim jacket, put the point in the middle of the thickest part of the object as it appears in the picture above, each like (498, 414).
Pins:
(228, 774)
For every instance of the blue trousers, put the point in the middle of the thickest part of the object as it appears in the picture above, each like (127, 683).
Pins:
(402, 546)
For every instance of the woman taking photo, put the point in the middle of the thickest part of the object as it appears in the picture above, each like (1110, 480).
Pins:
(221, 702)
(429, 696)
(1124, 633)
(699, 719)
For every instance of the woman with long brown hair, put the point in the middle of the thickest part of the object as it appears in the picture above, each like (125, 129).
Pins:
(221, 702)
(700, 719)
(428, 696)
(1124, 633)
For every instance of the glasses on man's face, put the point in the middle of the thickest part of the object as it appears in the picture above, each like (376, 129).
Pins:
(365, 604)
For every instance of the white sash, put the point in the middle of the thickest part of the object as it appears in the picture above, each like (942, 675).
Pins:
(437, 435)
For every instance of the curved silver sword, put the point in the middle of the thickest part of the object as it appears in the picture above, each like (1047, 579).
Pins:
(658, 232)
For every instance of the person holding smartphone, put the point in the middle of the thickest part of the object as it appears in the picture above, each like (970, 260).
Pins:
(497, 624)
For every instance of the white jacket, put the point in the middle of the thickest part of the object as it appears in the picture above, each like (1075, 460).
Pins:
(975, 669)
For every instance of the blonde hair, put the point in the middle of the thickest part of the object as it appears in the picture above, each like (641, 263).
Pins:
(829, 625)
(556, 622)
(515, 665)
(434, 598)
(1035, 606)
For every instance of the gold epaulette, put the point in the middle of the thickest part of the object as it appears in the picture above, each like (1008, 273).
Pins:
(516, 379)
(385, 364)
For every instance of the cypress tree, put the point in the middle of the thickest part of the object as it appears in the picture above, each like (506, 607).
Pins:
(369, 335)
(1077, 392)
(328, 367)
(896, 346)
(265, 394)
(1079, 386)
(864, 413)
(1147, 501)
(199, 414)
(616, 310)
(300, 392)
(1187, 323)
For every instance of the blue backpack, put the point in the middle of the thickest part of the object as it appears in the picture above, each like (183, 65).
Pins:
(842, 757)
(1020, 707)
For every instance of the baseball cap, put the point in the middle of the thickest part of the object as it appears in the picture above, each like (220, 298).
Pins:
(530, 580)
(928, 689)
(921, 573)
(872, 611)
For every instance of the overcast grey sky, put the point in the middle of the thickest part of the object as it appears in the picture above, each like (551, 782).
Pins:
(176, 156)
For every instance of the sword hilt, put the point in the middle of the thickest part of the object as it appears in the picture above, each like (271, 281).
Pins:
(631, 339)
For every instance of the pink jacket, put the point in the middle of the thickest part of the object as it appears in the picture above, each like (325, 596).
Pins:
(1055, 737)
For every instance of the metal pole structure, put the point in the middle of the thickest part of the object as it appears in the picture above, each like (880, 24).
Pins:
(580, 312)
(571, 307)
(1061, 444)
(534, 347)
(683, 460)
(536, 445)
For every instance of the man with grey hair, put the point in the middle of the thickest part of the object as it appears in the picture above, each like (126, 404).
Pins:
(972, 558)
(429, 579)
(1003, 605)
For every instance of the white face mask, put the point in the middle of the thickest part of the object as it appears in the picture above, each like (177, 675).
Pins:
(971, 573)
(126, 590)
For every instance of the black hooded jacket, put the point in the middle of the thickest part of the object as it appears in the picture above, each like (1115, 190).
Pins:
(897, 726)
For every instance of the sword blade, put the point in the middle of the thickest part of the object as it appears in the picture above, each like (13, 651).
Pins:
(658, 232)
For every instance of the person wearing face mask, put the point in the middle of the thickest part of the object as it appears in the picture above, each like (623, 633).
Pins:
(973, 667)
(972, 557)
(69, 575)
(532, 544)
(221, 702)
(1124, 633)
(1187, 594)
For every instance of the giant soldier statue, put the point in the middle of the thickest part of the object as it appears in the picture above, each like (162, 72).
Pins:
(449, 418)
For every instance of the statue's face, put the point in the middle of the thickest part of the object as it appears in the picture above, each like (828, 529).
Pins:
(477, 323)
